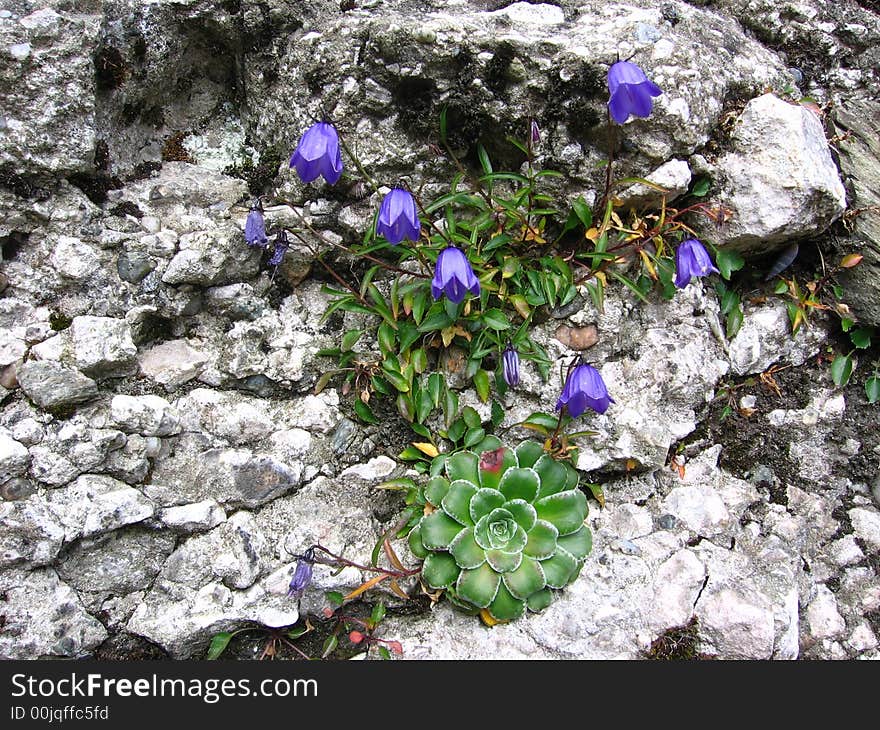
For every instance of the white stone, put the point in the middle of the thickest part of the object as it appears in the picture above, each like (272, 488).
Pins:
(196, 517)
(102, 346)
(148, 415)
(866, 523)
(14, 457)
(823, 619)
(629, 521)
(173, 363)
(373, 470)
(74, 259)
(700, 508)
(676, 586)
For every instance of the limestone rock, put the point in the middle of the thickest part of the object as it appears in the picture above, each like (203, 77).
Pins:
(148, 415)
(14, 457)
(52, 385)
(102, 347)
(173, 363)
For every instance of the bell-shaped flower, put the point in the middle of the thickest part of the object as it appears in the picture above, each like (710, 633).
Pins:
(454, 276)
(302, 575)
(510, 366)
(281, 246)
(631, 92)
(691, 259)
(318, 153)
(255, 229)
(398, 218)
(584, 388)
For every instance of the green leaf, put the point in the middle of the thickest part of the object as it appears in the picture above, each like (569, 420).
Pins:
(485, 163)
(478, 586)
(701, 187)
(437, 321)
(435, 388)
(363, 411)
(465, 550)
(559, 568)
(846, 324)
(219, 642)
(435, 490)
(378, 613)
(481, 383)
(566, 510)
(484, 501)
(506, 607)
(387, 339)
(520, 483)
(553, 475)
(456, 430)
(497, 414)
(503, 562)
(491, 477)
(734, 321)
(438, 530)
(541, 422)
(463, 465)
(524, 514)
(350, 338)
(471, 417)
(861, 337)
(528, 452)
(457, 501)
(424, 405)
(539, 601)
(582, 211)
(450, 407)
(495, 319)
(334, 598)
(473, 437)
(383, 652)
(396, 379)
(330, 645)
(781, 287)
(527, 579)
(443, 124)
(415, 543)
(728, 261)
(841, 370)
(578, 543)
(440, 570)
(407, 333)
(630, 284)
(541, 540)
(872, 389)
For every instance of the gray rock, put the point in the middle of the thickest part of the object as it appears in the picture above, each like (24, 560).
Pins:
(73, 259)
(779, 178)
(133, 266)
(49, 92)
(102, 347)
(823, 619)
(16, 489)
(44, 618)
(148, 415)
(173, 363)
(866, 523)
(673, 176)
(14, 458)
(197, 517)
(52, 385)
(119, 562)
(209, 258)
(31, 533)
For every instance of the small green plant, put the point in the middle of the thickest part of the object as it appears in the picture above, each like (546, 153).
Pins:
(503, 528)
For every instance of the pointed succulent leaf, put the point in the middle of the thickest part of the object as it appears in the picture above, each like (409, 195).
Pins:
(559, 568)
(493, 468)
(519, 483)
(528, 453)
(566, 510)
(440, 570)
(415, 542)
(505, 606)
(503, 562)
(578, 543)
(572, 478)
(457, 501)
(461, 604)
(524, 514)
(463, 465)
(576, 572)
(438, 530)
(552, 475)
(435, 490)
(478, 586)
(540, 600)
(541, 540)
(527, 579)
(466, 551)
(484, 501)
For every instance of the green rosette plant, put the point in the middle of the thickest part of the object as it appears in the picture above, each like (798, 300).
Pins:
(503, 528)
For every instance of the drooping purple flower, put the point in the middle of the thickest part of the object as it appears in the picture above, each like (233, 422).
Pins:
(534, 133)
(691, 259)
(302, 575)
(318, 153)
(630, 92)
(281, 246)
(255, 228)
(454, 276)
(510, 366)
(398, 218)
(584, 388)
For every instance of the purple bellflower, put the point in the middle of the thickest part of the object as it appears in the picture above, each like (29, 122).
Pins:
(398, 218)
(454, 276)
(302, 575)
(510, 366)
(631, 92)
(691, 259)
(255, 228)
(584, 388)
(318, 153)
(281, 246)
(534, 133)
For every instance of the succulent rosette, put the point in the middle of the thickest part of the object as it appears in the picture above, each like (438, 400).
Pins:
(507, 527)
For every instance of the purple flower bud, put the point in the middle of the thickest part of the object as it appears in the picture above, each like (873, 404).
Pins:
(535, 132)
(318, 153)
(281, 246)
(691, 259)
(454, 276)
(510, 366)
(302, 576)
(255, 229)
(584, 388)
(630, 91)
(398, 218)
